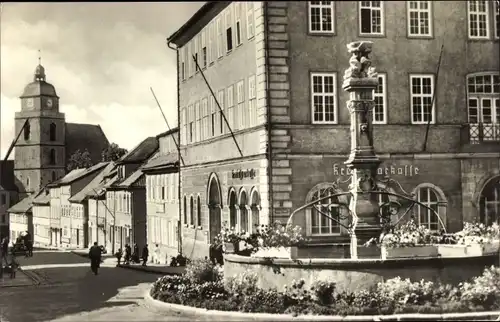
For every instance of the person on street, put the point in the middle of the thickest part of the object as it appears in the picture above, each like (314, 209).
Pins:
(119, 255)
(135, 254)
(95, 254)
(128, 254)
(145, 255)
(5, 249)
(14, 265)
(157, 254)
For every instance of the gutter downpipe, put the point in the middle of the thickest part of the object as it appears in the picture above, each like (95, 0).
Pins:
(179, 221)
(268, 112)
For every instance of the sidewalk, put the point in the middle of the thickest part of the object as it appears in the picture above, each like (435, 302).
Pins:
(22, 279)
(156, 269)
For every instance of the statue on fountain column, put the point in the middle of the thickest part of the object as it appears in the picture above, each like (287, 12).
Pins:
(360, 63)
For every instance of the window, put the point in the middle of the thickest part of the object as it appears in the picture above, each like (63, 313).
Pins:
(204, 123)
(184, 125)
(252, 100)
(483, 92)
(244, 222)
(198, 212)
(255, 207)
(197, 113)
(371, 17)
(379, 95)
(250, 20)
(204, 53)
(52, 158)
(318, 223)
(52, 132)
(489, 202)
(230, 106)
(185, 211)
(54, 176)
(220, 37)
(419, 18)
(422, 90)
(28, 184)
(229, 30)
(240, 100)
(321, 16)
(183, 63)
(189, 58)
(478, 20)
(191, 124)
(427, 217)
(27, 131)
(221, 121)
(214, 127)
(233, 219)
(212, 48)
(323, 95)
(237, 14)
(3, 199)
(195, 52)
(191, 211)
(496, 5)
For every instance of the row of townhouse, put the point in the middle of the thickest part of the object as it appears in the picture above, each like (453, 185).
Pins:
(104, 203)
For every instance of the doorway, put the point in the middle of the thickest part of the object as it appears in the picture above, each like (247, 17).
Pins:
(214, 206)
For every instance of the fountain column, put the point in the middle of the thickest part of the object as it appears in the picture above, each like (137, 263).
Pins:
(360, 80)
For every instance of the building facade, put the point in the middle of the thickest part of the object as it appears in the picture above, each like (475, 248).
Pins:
(69, 228)
(276, 70)
(41, 219)
(162, 199)
(126, 196)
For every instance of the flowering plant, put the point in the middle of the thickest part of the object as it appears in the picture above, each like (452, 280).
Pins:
(279, 235)
(408, 235)
(477, 233)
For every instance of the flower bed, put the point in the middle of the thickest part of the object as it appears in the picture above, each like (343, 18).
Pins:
(202, 286)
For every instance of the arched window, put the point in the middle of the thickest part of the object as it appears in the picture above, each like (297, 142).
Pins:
(198, 212)
(318, 224)
(52, 157)
(489, 202)
(483, 102)
(185, 211)
(233, 214)
(28, 184)
(255, 207)
(27, 131)
(53, 176)
(432, 197)
(244, 223)
(191, 211)
(52, 132)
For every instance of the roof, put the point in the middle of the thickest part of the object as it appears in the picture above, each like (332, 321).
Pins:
(7, 179)
(92, 189)
(23, 206)
(141, 152)
(171, 131)
(131, 179)
(39, 86)
(85, 137)
(43, 198)
(192, 21)
(78, 174)
(162, 162)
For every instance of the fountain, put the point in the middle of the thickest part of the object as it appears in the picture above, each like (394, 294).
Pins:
(365, 216)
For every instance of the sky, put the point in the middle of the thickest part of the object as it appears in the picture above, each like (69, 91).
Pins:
(102, 59)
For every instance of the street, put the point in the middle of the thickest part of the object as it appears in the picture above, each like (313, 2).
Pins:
(68, 291)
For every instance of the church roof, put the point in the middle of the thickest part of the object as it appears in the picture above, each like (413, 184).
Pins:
(141, 152)
(39, 86)
(85, 136)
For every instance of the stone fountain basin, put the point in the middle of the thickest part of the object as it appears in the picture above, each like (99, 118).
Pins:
(352, 275)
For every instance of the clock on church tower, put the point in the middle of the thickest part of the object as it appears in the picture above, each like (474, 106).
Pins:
(39, 155)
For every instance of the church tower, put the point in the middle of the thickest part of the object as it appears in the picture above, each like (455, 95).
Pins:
(39, 156)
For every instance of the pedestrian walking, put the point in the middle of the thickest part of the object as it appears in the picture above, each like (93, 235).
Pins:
(157, 254)
(135, 254)
(95, 254)
(119, 255)
(128, 254)
(145, 255)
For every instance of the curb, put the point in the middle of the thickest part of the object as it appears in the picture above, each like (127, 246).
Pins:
(177, 308)
(147, 269)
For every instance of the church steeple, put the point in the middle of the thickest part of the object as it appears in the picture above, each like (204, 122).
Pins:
(39, 71)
